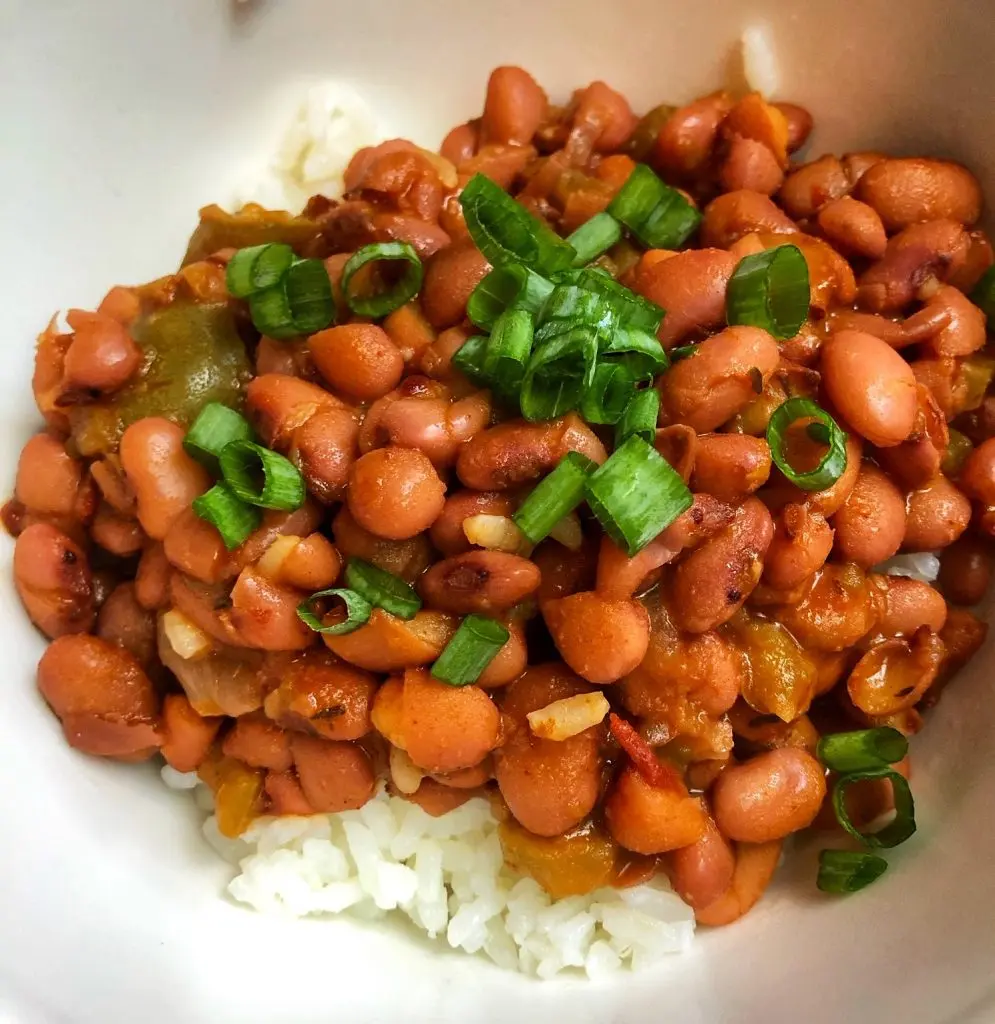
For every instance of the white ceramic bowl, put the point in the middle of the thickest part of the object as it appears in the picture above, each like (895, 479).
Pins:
(119, 118)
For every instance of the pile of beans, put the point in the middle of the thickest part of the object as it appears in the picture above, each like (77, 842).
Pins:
(750, 627)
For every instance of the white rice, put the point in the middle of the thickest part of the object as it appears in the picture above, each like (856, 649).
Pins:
(919, 565)
(332, 122)
(759, 61)
(447, 876)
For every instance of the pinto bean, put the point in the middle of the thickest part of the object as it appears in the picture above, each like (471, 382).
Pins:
(812, 186)
(53, 580)
(450, 277)
(712, 582)
(124, 622)
(442, 728)
(603, 116)
(600, 639)
(333, 776)
(447, 531)
(259, 743)
(461, 142)
(799, 124)
(102, 356)
(977, 478)
(314, 564)
(730, 466)
(800, 546)
(395, 492)
(186, 736)
(265, 614)
(437, 427)
(110, 479)
(966, 570)
(871, 385)
(854, 228)
(914, 190)
(950, 324)
(830, 500)
(907, 605)
(936, 515)
(386, 643)
(278, 404)
(48, 477)
(285, 794)
(770, 796)
(165, 479)
(514, 108)
(894, 674)
(404, 558)
(409, 331)
(919, 459)
(702, 872)
(118, 534)
(686, 139)
(358, 360)
(478, 581)
(870, 525)
(152, 577)
(734, 214)
(509, 662)
(727, 371)
(550, 786)
(836, 611)
(104, 700)
(755, 866)
(752, 166)
(691, 287)
(321, 695)
(195, 548)
(937, 248)
(649, 819)
(517, 452)
(324, 449)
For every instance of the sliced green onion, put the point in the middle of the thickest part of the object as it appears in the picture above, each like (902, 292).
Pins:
(382, 588)
(641, 350)
(358, 611)
(556, 495)
(262, 477)
(983, 295)
(469, 359)
(472, 648)
(639, 418)
(770, 289)
(215, 426)
(558, 374)
(569, 306)
(613, 385)
(228, 514)
(300, 303)
(658, 215)
(508, 350)
(843, 871)
(632, 310)
(512, 286)
(594, 237)
(862, 748)
(636, 495)
(256, 268)
(831, 466)
(899, 829)
(402, 291)
(505, 232)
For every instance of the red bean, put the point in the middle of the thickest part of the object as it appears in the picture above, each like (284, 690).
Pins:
(395, 492)
(514, 107)
(358, 360)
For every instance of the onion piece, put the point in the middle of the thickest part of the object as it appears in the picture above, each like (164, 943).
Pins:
(271, 562)
(496, 533)
(568, 532)
(569, 716)
(187, 640)
(405, 776)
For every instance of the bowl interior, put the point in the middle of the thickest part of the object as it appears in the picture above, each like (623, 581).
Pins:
(120, 120)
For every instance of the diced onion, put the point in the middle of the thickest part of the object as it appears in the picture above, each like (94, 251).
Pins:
(188, 640)
(496, 533)
(405, 776)
(568, 532)
(276, 554)
(568, 717)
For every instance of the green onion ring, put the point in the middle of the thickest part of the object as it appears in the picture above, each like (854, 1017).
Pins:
(832, 465)
(383, 303)
(770, 290)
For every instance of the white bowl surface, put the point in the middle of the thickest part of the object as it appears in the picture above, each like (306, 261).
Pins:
(119, 119)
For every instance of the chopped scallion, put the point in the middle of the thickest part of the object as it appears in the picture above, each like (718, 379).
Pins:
(658, 215)
(554, 497)
(902, 826)
(391, 297)
(613, 386)
(636, 495)
(215, 426)
(830, 467)
(472, 648)
(382, 588)
(507, 352)
(256, 268)
(770, 289)
(262, 477)
(845, 871)
(862, 748)
(558, 374)
(512, 286)
(228, 514)
(469, 359)
(301, 302)
(357, 609)
(639, 417)
(594, 237)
